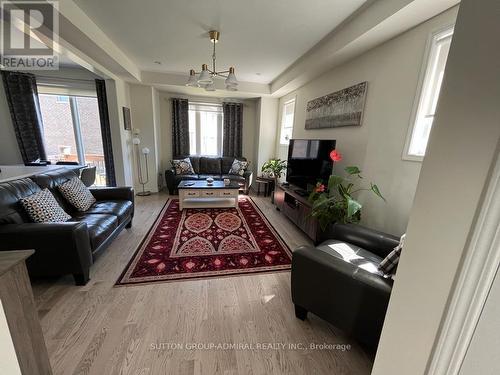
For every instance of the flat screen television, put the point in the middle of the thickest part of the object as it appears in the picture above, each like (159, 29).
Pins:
(309, 162)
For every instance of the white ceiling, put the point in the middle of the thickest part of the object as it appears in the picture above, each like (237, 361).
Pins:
(257, 36)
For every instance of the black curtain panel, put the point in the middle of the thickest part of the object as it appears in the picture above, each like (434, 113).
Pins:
(233, 129)
(180, 127)
(102, 101)
(22, 97)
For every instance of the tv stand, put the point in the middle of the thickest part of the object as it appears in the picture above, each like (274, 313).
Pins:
(301, 192)
(293, 203)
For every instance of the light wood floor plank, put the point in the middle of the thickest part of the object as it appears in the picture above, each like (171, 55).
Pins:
(101, 329)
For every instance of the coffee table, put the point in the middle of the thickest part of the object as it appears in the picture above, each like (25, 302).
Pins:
(198, 194)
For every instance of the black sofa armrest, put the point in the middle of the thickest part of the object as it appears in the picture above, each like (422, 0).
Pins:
(170, 180)
(377, 242)
(60, 248)
(248, 180)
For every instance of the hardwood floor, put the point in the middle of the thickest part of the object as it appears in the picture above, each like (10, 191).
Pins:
(150, 329)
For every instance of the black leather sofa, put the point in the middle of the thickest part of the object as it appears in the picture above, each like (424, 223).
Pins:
(63, 248)
(206, 166)
(343, 286)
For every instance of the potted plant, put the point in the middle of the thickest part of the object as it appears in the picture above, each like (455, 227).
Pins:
(336, 202)
(274, 168)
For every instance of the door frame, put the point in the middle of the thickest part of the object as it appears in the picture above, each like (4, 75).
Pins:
(472, 284)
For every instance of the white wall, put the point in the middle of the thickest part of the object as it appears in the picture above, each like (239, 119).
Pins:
(266, 129)
(392, 71)
(463, 146)
(118, 95)
(249, 126)
(143, 119)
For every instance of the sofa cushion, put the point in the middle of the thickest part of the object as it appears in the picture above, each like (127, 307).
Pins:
(77, 194)
(121, 209)
(11, 210)
(183, 166)
(42, 207)
(195, 162)
(234, 177)
(100, 226)
(216, 177)
(352, 257)
(211, 166)
(188, 177)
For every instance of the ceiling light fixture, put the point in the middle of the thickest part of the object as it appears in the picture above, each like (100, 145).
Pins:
(206, 76)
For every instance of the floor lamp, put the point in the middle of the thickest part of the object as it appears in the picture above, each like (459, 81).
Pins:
(142, 181)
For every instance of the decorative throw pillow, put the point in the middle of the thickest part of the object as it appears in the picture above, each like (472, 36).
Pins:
(389, 264)
(183, 166)
(42, 207)
(239, 167)
(77, 194)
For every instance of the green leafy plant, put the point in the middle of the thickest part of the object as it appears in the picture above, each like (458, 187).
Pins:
(274, 166)
(335, 202)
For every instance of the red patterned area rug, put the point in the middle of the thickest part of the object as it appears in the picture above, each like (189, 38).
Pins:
(210, 242)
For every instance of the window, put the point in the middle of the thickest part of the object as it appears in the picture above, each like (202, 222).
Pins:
(205, 129)
(62, 99)
(72, 131)
(287, 121)
(429, 94)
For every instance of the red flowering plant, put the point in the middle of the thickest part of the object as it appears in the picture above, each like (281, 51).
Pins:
(335, 202)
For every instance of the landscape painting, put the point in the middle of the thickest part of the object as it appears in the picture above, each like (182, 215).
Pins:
(341, 108)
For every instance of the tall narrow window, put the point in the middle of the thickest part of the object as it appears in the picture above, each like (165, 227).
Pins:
(287, 122)
(427, 100)
(205, 129)
(72, 131)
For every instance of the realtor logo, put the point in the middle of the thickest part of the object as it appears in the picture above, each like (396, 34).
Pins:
(30, 29)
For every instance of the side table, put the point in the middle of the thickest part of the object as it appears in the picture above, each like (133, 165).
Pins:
(268, 185)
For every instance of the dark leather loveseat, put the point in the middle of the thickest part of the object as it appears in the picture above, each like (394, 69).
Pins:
(63, 248)
(206, 166)
(341, 284)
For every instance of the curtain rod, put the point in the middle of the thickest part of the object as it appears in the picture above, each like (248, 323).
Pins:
(64, 78)
(207, 100)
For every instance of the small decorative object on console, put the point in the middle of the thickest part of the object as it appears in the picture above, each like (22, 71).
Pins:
(210, 181)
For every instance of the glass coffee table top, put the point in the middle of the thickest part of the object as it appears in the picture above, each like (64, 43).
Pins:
(202, 184)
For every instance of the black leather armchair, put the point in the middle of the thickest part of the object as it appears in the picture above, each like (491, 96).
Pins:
(339, 281)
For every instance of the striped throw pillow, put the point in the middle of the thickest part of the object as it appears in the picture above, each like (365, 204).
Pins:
(389, 264)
